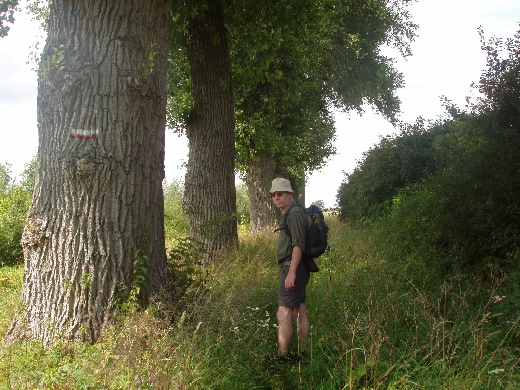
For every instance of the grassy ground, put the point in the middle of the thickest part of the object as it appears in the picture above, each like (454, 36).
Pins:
(375, 325)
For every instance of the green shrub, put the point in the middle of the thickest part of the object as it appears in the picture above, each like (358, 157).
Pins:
(15, 199)
(449, 194)
(13, 212)
(243, 213)
(395, 163)
(10, 286)
(176, 223)
(465, 216)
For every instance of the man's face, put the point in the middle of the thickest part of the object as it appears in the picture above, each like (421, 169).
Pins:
(282, 199)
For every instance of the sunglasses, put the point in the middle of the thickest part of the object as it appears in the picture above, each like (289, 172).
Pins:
(275, 194)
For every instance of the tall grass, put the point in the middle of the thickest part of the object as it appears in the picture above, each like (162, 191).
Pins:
(374, 325)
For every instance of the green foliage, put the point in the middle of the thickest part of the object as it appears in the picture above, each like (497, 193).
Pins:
(129, 298)
(290, 61)
(15, 199)
(149, 67)
(7, 10)
(58, 60)
(10, 287)
(176, 223)
(451, 198)
(475, 196)
(395, 163)
(28, 176)
(40, 11)
(185, 261)
(179, 99)
(290, 70)
(500, 82)
(243, 212)
(5, 178)
(139, 276)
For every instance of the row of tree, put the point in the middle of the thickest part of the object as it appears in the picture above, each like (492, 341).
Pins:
(452, 186)
(278, 68)
(252, 85)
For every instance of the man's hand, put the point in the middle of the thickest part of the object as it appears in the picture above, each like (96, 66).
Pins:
(290, 281)
(296, 257)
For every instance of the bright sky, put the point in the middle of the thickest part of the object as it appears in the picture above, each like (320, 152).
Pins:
(446, 59)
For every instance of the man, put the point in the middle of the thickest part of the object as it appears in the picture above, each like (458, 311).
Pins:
(294, 276)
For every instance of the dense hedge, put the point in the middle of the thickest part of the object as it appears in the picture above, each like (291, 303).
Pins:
(451, 188)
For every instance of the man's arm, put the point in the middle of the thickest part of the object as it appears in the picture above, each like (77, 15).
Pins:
(296, 257)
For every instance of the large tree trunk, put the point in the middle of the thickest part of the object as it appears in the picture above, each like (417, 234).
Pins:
(98, 198)
(259, 176)
(210, 198)
(260, 173)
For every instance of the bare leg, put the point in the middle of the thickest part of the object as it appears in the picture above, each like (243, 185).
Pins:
(303, 327)
(285, 329)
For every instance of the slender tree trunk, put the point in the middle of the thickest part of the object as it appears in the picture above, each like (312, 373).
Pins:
(210, 198)
(98, 197)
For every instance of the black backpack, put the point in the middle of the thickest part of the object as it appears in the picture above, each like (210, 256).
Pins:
(317, 235)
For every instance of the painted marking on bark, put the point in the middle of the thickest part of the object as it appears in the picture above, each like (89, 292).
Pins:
(83, 133)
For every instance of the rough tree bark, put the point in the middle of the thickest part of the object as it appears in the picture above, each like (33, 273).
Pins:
(98, 198)
(259, 176)
(260, 173)
(210, 198)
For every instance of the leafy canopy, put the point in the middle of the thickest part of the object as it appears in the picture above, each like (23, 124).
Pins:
(293, 62)
(7, 10)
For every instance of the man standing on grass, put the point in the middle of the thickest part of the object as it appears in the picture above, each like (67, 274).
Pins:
(294, 276)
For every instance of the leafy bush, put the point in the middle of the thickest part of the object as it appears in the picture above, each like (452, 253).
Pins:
(176, 223)
(13, 212)
(476, 203)
(395, 163)
(243, 213)
(449, 194)
(15, 199)
(467, 215)
(5, 178)
(10, 286)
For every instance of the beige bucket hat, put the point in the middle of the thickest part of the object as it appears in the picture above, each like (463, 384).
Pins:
(281, 185)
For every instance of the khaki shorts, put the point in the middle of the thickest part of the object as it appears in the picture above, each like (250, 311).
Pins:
(297, 296)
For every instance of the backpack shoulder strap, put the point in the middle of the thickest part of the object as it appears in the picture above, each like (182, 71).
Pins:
(285, 224)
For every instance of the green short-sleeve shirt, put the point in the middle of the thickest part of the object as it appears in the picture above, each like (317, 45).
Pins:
(297, 224)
